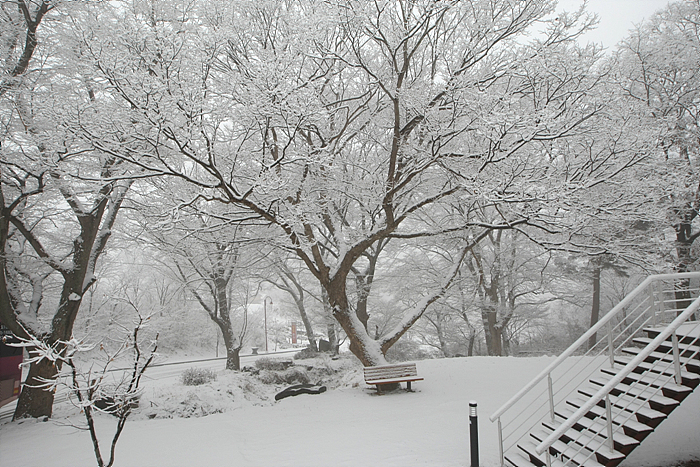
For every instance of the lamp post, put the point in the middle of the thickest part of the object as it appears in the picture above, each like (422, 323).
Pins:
(265, 316)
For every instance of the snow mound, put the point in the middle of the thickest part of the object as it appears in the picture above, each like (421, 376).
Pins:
(232, 390)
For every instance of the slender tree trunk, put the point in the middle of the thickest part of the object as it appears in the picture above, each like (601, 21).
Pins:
(330, 324)
(472, 339)
(595, 309)
(438, 323)
(684, 244)
(307, 325)
(506, 343)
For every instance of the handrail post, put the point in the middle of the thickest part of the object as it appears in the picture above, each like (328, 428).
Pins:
(549, 459)
(611, 346)
(676, 358)
(608, 415)
(551, 396)
(500, 442)
(652, 307)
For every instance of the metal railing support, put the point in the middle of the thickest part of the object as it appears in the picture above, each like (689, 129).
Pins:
(611, 346)
(608, 415)
(549, 459)
(500, 442)
(676, 358)
(551, 396)
(653, 302)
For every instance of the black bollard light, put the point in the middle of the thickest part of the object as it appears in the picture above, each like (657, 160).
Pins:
(473, 434)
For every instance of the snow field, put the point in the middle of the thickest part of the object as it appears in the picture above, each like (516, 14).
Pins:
(346, 426)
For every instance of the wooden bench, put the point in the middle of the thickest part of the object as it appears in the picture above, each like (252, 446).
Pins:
(388, 374)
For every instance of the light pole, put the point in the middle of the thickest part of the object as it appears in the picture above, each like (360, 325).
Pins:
(265, 316)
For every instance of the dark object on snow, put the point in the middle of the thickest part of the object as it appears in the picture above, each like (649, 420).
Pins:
(324, 346)
(251, 369)
(300, 389)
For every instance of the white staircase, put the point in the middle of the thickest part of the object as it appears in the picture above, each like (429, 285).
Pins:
(592, 407)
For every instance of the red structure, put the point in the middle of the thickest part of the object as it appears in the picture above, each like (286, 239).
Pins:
(10, 371)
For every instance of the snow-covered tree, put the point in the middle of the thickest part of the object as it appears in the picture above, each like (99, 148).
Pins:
(60, 196)
(659, 77)
(212, 258)
(344, 125)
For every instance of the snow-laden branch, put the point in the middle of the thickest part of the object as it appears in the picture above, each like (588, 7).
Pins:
(411, 316)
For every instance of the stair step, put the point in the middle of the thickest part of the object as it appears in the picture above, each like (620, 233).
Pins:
(590, 441)
(518, 460)
(685, 350)
(691, 380)
(690, 364)
(665, 382)
(688, 333)
(654, 397)
(631, 426)
(574, 453)
(640, 408)
(623, 443)
(528, 447)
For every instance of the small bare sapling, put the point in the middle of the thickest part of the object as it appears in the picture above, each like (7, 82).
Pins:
(94, 388)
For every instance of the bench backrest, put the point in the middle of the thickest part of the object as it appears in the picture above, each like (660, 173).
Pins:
(390, 371)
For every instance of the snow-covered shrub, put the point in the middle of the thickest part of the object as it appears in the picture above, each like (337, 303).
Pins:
(305, 354)
(231, 390)
(267, 363)
(292, 375)
(197, 376)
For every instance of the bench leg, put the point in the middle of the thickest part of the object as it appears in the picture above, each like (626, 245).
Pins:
(408, 386)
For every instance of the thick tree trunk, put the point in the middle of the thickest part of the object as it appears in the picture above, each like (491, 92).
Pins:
(35, 401)
(233, 347)
(233, 359)
(492, 332)
(362, 314)
(366, 349)
(363, 287)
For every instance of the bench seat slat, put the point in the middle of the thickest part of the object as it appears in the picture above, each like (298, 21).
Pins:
(392, 380)
(391, 374)
(397, 365)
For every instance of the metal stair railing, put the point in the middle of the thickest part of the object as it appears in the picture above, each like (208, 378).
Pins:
(658, 300)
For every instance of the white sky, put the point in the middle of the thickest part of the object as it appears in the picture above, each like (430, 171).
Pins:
(616, 17)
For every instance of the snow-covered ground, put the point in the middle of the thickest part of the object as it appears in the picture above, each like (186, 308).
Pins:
(346, 426)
